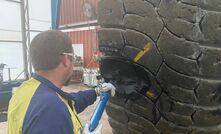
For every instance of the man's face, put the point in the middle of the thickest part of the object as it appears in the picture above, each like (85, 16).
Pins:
(69, 70)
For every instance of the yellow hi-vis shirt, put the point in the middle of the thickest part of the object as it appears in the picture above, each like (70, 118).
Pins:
(39, 107)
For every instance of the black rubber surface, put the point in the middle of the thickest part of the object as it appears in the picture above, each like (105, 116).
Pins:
(178, 43)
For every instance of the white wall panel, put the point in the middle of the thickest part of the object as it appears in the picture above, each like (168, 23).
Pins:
(40, 14)
(10, 21)
(11, 54)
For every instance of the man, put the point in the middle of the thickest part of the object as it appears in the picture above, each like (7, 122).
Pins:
(39, 106)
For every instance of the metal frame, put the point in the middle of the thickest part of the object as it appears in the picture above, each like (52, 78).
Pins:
(78, 25)
(13, 1)
(25, 30)
(12, 41)
(25, 37)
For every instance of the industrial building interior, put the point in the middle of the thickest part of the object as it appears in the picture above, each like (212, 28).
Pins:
(22, 20)
(158, 59)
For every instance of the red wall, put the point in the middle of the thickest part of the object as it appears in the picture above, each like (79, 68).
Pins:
(89, 40)
(72, 11)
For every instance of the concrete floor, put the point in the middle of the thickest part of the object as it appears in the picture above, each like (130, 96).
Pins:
(84, 116)
(3, 128)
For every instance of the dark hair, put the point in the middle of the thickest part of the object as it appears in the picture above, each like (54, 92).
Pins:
(46, 49)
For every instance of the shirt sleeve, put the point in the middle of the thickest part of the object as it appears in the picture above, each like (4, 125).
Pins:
(83, 99)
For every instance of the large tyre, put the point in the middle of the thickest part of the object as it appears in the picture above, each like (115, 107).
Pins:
(177, 44)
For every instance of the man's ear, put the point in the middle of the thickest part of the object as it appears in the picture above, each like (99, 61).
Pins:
(64, 60)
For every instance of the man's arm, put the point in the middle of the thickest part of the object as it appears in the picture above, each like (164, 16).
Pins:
(83, 99)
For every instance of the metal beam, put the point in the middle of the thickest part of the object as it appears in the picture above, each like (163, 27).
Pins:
(81, 29)
(24, 39)
(38, 31)
(11, 41)
(28, 35)
(10, 30)
(45, 21)
(13, 1)
(79, 25)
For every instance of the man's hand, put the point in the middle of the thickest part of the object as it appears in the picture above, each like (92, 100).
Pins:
(96, 131)
(105, 87)
(109, 87)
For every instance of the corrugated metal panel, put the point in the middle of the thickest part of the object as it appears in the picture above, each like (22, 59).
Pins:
(90, 43)
(72, 11)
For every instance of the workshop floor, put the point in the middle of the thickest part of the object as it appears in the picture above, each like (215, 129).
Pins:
(84, 116)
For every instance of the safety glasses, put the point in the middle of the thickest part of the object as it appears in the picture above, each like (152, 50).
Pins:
(69, 54)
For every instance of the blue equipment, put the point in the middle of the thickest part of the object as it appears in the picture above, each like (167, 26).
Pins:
(55, 13)
(6, 89)
(99, 111)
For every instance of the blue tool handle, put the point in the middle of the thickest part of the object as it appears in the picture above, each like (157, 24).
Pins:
(98, 111)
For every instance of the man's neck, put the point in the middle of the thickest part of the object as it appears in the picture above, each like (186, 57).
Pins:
(51, 76)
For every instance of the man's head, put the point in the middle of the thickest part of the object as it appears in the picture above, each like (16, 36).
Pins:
(50, 50)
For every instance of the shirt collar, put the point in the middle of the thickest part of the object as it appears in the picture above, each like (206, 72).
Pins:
(51, 86)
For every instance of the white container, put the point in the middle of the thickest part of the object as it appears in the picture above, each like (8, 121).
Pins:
(90, 77)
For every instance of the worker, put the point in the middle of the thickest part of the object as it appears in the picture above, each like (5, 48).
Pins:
(39, 106)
